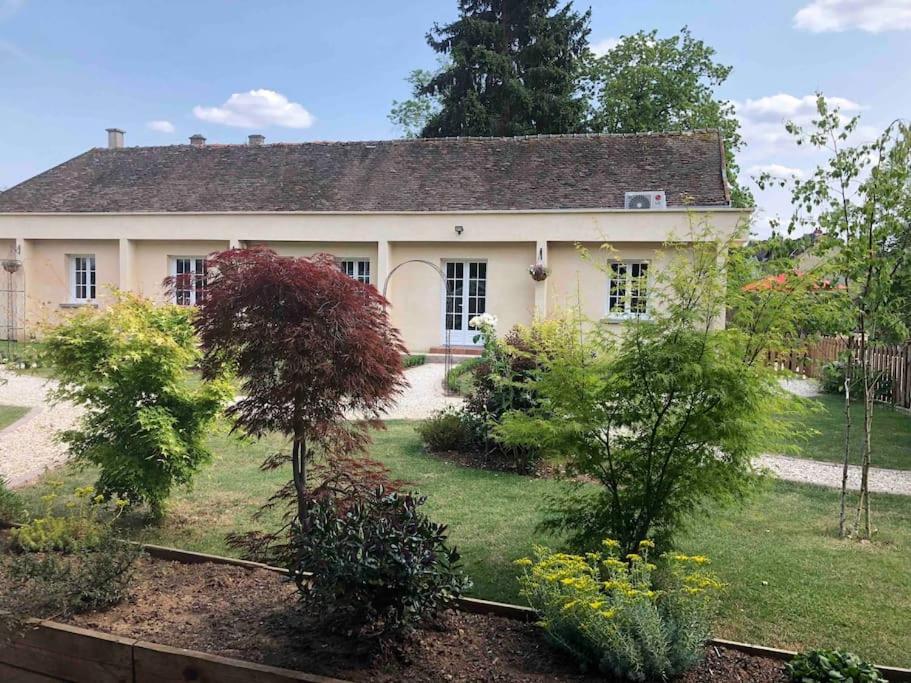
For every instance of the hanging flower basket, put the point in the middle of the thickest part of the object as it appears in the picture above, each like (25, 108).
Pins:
(538, 272)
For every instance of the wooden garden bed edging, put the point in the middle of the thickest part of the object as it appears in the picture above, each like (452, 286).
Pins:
(50, 652)
(501, 609)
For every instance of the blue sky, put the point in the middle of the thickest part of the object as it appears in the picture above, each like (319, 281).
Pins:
(329, 70)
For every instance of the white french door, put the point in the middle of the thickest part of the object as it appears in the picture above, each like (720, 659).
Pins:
(464, 297)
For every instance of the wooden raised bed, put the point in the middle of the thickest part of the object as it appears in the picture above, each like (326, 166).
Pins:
(51, 652)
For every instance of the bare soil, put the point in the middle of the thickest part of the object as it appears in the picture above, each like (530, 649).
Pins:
(254, 615)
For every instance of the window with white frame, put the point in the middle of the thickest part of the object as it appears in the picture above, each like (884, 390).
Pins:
(82, 277)
(627, 289)
(189, 273)
(358, 268)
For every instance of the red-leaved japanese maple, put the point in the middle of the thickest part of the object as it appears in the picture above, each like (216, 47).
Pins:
(314, 349)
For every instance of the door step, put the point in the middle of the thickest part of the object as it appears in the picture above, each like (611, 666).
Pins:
(457, 350)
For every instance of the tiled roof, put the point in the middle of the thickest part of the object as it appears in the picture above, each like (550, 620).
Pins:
(448, 174)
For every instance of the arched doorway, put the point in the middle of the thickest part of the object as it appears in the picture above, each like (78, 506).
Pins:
(447, 343)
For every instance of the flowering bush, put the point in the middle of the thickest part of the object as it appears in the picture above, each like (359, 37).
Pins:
(72, 564)
(612, 615)
(84, 528)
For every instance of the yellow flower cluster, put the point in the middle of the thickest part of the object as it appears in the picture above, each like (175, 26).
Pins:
(692, 559)
(595, 586)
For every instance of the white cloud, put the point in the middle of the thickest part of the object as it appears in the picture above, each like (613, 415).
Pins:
(257, 109)
(776, 171)
(783, 106)
(770, 148)
(762, 122)
(872, 16)
(161, 126)
(602, 47)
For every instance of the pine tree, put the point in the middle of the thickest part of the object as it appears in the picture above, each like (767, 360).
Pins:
(514, 67)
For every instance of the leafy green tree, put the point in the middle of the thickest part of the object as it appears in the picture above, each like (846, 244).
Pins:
(513, 70)
(665, 417)
(860, 197)
(144, 427)
(411, 115)
(652, 84)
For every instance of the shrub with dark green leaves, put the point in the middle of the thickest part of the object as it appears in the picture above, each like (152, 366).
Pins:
(829, 666)
(832, 379)
(376, 568)
(445, 430)
(12, 508)
(414, 360)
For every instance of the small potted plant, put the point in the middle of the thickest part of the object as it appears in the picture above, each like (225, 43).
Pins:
(538, 272)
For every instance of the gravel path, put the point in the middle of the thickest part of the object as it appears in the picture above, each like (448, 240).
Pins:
(28, 447)
(424, 395)
(829, 473)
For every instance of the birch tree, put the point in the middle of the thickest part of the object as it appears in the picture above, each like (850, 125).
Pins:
(860, 197)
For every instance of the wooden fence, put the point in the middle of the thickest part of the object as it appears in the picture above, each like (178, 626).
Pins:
(891, 363)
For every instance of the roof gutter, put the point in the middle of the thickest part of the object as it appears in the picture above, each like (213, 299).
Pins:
(671, 210)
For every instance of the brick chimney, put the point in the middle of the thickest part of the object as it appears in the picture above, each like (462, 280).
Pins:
(115, 138)
(256, 139)
(197, 140)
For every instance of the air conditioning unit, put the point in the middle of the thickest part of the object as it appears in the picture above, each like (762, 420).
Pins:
(645, 200)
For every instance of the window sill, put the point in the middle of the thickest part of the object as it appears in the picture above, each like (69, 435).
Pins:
(80, 304)
(617, 319)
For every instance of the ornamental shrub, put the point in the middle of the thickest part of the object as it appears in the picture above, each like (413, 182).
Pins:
(613, 616)
(55, 585)
(144, 426)
(311, 347)
(446, 430)
(83, 528)
(501, 381)
(412, 361)
(826, 666)
(665, 416)
(832, 379)
(12, 509)
(377, 568)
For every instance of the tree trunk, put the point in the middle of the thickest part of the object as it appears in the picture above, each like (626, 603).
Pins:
(299, 470)
(849, 375)
(863, 503)
(868, 456)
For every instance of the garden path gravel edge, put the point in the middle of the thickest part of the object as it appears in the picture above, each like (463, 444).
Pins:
(28, 447)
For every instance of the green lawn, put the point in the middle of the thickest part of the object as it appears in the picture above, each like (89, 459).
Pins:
(891, 434)
(9, 414)
(820, 591)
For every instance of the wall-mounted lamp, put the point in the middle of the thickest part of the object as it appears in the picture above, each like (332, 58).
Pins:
(459, 229)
